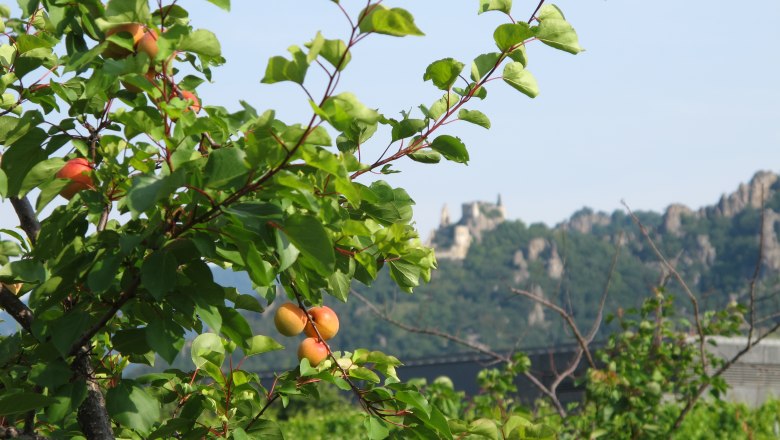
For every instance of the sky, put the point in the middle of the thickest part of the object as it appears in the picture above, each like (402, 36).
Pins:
(672, 102)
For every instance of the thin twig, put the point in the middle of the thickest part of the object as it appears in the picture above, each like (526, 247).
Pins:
(476, 347)
(566, 317)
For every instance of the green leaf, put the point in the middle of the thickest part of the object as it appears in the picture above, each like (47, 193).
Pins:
(266, 430)
(24, 152)
(504, 6)
(146, 190)
(555, 31)
(130, 341)
(484, 428)
(17, 403)
(3, 184)
(334, 51)
(438, 422)
(475, 117)
(345, 109)
(51, 374)
(443, 73)
(260, 344)
(28, 271)
(207, 348)
(127, 11)
(484, 64)
(248, 302)
(363, 373)
(339, 283)
(224, 165)
(415, 400)
(67, 400)
(103, 272)
(41, 172)
(451, 148)
(260, 271)
(516, 76)
(441, 106)
(375, 429)
(396, 22)
(201, 42)
(511, 34)
(132, 406)
(406, 128)
(166, 338)
(386, 204)
(224, 4)
(158, 273)
(310, 237)
(281, 69)
(425, 156)
(235, 326)
(405, 274)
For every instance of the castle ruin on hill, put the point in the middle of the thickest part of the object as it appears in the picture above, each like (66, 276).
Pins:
(452, 240)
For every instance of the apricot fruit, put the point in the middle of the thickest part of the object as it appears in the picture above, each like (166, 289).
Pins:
(314, 350)
(136, 31)
(289, 319)
(326, 320)
(192, 97)
(79, 172)
(148, 44)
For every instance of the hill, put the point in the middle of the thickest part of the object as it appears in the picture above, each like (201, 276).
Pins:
(715, 249)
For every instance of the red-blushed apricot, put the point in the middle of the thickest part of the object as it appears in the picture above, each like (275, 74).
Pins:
(192, 97)
(79, 172)
(326, 320)
(289, 319)
(314, 350)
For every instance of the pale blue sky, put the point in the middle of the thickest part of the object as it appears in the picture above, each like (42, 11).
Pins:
(673, 101)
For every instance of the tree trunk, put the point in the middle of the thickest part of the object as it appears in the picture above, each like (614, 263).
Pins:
(92, 414)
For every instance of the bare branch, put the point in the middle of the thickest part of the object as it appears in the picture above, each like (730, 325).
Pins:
(476, 347)
(600, 313)
(678, 277)
(566, 317)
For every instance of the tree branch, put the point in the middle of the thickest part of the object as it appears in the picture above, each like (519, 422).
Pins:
(476, 347)
(27, 218)
(566, 317)
(16, 308)
(126, 296)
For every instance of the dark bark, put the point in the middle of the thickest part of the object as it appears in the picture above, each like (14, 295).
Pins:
(92, 414)
(16, 308)
(27, 218)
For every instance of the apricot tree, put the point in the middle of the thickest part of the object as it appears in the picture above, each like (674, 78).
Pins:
(120, 273)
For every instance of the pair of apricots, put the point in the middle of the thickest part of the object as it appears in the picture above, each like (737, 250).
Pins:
(144, 41)
(290, 320)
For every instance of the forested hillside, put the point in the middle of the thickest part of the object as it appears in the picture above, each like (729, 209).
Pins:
(715, 249)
